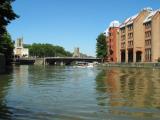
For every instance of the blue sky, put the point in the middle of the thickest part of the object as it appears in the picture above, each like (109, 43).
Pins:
(71, 23)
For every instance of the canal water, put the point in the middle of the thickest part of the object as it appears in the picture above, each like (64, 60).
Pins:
(67, 93)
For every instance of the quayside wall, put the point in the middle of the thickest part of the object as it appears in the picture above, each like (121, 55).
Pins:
(134, 65)
(2, 63)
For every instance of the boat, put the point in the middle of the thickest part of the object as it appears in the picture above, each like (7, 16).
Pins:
(84, 65)
(90, 65)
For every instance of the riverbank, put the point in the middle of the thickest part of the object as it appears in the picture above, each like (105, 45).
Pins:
(2, 63)
(133, 65)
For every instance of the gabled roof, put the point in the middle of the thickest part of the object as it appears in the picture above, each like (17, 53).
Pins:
(130, 20)
(150, 16)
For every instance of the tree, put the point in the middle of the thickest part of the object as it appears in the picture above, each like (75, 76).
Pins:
(7, 47)
(6, 15)
(101, 46)
(47, 50)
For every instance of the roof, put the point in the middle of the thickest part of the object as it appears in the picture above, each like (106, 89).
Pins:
(130, 20)
(150, 16)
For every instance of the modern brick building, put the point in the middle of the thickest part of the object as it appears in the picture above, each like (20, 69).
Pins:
(132, 38)
(112, 41)
(137, 39)
(152, 36)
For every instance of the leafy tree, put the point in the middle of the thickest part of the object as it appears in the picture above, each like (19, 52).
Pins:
(7, 48)
(47, 50)
(6, 15)
(101, 46)
(26, 45)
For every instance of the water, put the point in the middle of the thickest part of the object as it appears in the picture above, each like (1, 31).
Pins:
(67, 93)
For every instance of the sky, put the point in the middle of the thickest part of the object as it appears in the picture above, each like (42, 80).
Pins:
(71, 23)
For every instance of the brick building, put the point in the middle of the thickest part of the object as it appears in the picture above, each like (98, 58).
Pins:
(112, 41)
(152, 36)
(136, 39)
(132, 38)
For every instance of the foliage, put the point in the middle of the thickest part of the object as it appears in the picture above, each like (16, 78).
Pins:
(6, 47)
(26, 45)
(101, 46)
(47, 50)
(6, 14)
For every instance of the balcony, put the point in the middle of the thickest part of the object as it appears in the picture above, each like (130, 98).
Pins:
(122, 40)
(148, 37)
(147, 46)
(148, 29)
(123, 33)
(130, 38)
(130, 46)
(130, 30)
(122, 48)
(122, 45)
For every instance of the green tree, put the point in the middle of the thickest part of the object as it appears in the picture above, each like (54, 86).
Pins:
(101, 46)
(7, 47)
(6, 15)
(47, 50)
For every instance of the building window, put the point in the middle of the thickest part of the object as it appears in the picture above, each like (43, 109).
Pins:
(148, 25)
(148, 54)
(130, 35)
(130, 27)
(130, 43)
(123, 30)
(123, 45)
(148, 34)
(148, 42)
(123, 37)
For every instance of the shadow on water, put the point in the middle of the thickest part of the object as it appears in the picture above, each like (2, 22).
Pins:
(8, 70)
(130, 91)
(5, 112)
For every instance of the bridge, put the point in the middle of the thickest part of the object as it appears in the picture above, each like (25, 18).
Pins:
(55, 60)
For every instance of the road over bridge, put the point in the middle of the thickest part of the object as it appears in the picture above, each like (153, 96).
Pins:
(55, 60)
(68, 60)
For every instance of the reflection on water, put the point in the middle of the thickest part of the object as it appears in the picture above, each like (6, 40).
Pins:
(134, 92)
(67, 93)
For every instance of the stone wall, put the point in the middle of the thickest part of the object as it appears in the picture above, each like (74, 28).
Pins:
(2, 63)
(39, 61)
(134, 65)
